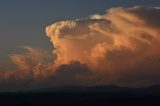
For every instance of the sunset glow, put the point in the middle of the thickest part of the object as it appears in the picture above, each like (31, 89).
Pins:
(119, 47)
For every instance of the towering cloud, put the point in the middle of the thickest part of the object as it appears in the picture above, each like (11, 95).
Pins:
(121, 47)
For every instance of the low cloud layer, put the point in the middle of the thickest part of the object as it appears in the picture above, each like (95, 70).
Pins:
(121, 47)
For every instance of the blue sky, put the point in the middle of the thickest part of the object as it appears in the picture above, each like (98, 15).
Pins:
(23, 22)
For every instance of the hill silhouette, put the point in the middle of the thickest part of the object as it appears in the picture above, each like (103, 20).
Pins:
(80, 95)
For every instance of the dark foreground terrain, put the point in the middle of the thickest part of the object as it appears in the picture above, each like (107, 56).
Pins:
(84, 96)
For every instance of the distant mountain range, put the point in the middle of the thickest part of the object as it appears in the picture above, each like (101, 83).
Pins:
(84, 96)
(102, 89)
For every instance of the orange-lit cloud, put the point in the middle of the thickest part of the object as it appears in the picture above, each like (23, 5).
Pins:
(121, 47)
(32, 69)
(31, 64)
(113, 45)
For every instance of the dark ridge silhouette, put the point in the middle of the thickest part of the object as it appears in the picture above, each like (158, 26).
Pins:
(154, 90)
(84, 96)
(84, 89)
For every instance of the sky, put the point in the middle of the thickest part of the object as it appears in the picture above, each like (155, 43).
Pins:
(23, 21)
(45, 43)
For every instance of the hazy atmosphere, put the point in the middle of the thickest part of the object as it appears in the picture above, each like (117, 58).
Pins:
(46, 43)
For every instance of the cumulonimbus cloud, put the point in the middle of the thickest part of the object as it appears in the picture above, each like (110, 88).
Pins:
(121, 47)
